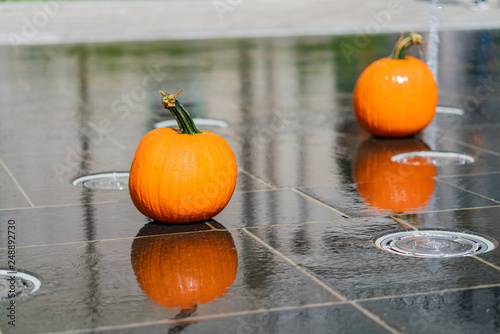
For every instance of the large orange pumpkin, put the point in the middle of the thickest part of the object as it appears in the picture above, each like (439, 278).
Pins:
(390, 187)
(396, 96)
(184, 175)
(183, 265)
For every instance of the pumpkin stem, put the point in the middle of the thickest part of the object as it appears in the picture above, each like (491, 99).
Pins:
(184, 120)
(402, 45)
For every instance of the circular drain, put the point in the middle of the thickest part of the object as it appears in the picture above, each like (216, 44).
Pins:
(197, 121)
(434, 243)
(17, 284)
(105, 181)
(433, 158)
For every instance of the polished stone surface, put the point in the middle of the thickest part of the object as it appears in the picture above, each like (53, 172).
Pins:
(471, 310)
(293, 251)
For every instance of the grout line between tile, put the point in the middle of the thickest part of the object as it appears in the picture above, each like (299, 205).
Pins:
(17, 183)
(118, 239)
(448, 210)
(402, 222)
(333, 292)
(474, 146)
(297, 223)
(354, 303)
(257, 191)
(486, 262)
(212, 229)
(469, 191)
(115, 141)
(199, 318)
(19, 208)
(462, 175)
(424, 293)
(70, 243)
(60, 205)
(211, 226)
(257, 179)
(320, 202)
(374, 318)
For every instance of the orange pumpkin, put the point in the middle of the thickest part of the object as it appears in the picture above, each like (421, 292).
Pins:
(184, 175)
(396, 96)
(183, 266)
(388, 186)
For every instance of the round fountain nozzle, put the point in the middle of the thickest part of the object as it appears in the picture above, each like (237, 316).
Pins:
(433, 158)
(104, 181)
(17, 284)
(434, 243)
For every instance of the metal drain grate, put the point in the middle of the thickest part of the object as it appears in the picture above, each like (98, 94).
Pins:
(17, 284)
(433, 158)
(218, 123)
(104, 181)
(434, 243)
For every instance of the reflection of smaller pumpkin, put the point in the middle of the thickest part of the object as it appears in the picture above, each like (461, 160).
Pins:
(184, 265)
(388, 186)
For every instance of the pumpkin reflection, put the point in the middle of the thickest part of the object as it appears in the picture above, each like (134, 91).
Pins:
(391, 187)
(184, 265)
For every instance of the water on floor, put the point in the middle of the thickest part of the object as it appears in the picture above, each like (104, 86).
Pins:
(293, 251)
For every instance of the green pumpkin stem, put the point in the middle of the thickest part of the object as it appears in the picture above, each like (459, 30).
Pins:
(184, 120)
(399, 51)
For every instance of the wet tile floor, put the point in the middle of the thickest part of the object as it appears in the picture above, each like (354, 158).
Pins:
(294, 246)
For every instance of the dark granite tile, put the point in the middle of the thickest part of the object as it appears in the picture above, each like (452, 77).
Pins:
(330, 155)
(298, 159)
(327, 319)
(487, 185)
(272, 207)
(466, 311)
(469, 80)
(483, 221)
(52, 225)
(479, 137)
(112, 283)
(429, 140)
(50, 183)
(10, 196)
(342, 254)
(247, 182)
(52, 139)
(73, 110)
(47, 178)
(97, 214)
(397, 196)
(383, 186)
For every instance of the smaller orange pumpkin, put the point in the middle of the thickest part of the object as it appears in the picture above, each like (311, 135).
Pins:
(396, 96)
(391, 187)
(184, 265)
(180, 176)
